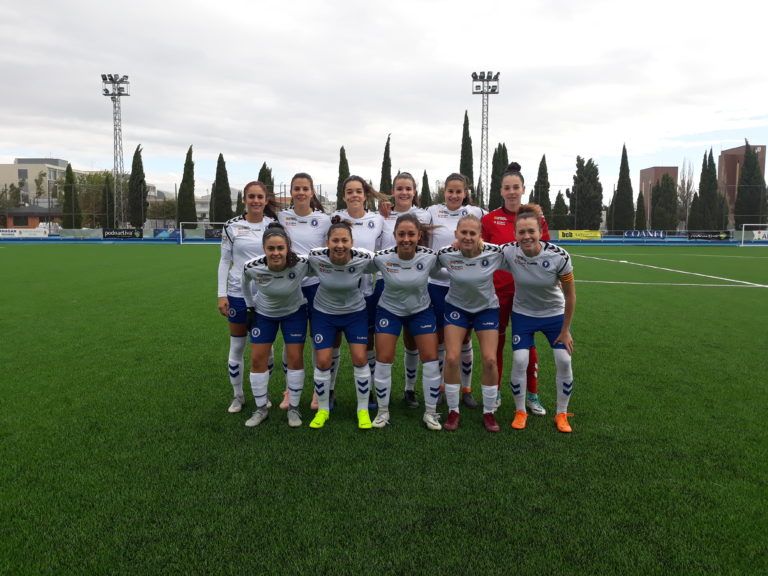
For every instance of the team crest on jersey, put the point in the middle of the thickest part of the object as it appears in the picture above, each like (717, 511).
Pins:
(484, 263)
(314, 222)
(516, 339)
(545, 264)
(255, 333)
(371, 224)
(464, 212)
(419, 266)
(291, 275)
(351, 269)
(318, 338)
(383, 322)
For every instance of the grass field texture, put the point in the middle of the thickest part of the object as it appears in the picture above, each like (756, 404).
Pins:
(118, 454)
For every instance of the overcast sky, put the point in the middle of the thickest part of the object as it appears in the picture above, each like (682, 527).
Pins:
(290, 82)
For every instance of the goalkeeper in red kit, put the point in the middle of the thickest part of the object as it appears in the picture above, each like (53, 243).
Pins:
(499, 228)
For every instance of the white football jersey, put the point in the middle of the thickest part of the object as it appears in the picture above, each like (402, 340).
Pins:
(471, 279)
(366, 233)
(278, 293)
(388, 233)
(405, 281)
(339, 291)
(306, 232)
(240, 242)
(445, 222)
(537, 279)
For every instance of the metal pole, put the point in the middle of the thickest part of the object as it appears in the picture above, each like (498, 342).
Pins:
(484, 150)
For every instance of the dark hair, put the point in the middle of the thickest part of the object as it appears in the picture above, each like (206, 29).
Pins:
(336, 223)
(371, 195)
(513, 170)
(530, 210)
(408, 176)
(314, 202)
(424, 229)
(271, 208)
(455, 176)
(276, 229)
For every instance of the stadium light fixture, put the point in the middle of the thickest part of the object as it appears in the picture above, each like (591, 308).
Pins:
(103, 77)
(474, 75)
(484, 83)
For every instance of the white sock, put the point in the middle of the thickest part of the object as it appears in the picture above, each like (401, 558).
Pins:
(235, 364)
(564, 378)
(372, 361)
(322, 388)
(295, 382)
(489, 398)
(259, 382)
(383, 381)
(335, 361)
(430, 379)
(362, 385)
(467, 359)
(452, 392)
(518, 379)
(441, 356)
(411, 362)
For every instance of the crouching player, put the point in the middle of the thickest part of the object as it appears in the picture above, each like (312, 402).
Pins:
(545, 300)
(278, 304)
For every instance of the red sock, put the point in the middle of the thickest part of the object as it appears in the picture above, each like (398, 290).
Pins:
(532, 374)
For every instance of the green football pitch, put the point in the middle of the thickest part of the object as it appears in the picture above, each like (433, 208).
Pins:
(117, 454)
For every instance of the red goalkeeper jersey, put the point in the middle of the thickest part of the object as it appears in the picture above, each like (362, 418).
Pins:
(499, 228)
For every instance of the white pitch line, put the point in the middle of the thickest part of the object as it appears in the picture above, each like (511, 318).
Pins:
(666, 284)
(732, 280)
(686, 255)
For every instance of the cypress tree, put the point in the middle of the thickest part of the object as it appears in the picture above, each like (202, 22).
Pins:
(70, 205)
(587, 195)
(560, 213)
(265, 177)
(240, 208)
(750, 193)
(622, 211)
(425, 200)
(137, 192)
(609, 213)
(386, 170)
(186, 201)
(465, 162)
(107, 219)
(343, 175)
(695, 219)
(540, 193)
(664, 204)
(221, 195)
(708, 202)
(497, 169)
(211, 205)
(641, 222)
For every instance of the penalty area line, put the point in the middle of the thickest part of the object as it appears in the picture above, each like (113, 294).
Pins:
(731, 280)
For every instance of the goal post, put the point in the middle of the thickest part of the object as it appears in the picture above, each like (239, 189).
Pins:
(754, 235)
(194, 233)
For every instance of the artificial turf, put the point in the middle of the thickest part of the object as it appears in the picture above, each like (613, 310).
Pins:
(118, 454)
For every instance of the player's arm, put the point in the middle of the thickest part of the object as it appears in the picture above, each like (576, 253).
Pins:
(568, 285)
(225, 262)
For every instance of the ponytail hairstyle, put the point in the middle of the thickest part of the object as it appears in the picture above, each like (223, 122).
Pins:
(513, 169)
(314, 202)
(455, 176)
(270, 208)
(371, 195)
(408, 176)
(276, 229)
(338, 223)
(424, 229)
(530, 210)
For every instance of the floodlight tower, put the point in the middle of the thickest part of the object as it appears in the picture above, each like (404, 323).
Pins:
(485, 84)
(115, 87)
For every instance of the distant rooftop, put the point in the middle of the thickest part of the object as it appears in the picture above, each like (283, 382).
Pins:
(49, 161)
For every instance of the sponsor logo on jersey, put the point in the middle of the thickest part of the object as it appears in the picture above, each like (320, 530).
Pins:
(263, 279)
(545, 264)
(516, 339)
(255, 333)
(318, 338)
(383, 322)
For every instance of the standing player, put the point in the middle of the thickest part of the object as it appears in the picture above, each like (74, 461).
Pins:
(499, 228)
(307, 225)
(278, 304)
(406, 202)
(241, 240)
(445, 218)
(405, 304)
(340, 307)
(471, 304)
(545, 300)
(367, 227)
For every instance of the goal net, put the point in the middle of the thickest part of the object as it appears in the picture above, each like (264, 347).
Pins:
(754, 235)
(200, 232)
